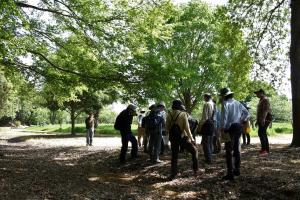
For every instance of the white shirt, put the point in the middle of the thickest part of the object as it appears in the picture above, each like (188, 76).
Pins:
(233, 112)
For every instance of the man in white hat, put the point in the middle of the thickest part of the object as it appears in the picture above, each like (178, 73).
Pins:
(232, 115)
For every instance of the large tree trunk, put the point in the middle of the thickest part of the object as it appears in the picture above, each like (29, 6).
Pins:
(73, 117)
(295, 69)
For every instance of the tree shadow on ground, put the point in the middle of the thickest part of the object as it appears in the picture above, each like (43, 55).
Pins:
(23, 138)
(80, 173)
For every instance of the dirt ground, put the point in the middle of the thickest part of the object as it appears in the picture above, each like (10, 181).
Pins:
(52, 167)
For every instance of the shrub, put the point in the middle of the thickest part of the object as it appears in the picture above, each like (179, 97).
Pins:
(18, 123)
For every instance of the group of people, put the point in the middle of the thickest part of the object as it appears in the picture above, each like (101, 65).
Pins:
(216, 126)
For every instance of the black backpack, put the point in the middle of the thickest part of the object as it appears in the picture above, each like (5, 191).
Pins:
(117, 124)
(175, 132)
(152, 121)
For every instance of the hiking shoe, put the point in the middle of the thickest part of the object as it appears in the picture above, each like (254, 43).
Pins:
(263, 153)
(228, 177)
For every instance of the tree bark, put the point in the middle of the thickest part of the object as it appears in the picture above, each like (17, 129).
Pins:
(73, 117)
(295, 69)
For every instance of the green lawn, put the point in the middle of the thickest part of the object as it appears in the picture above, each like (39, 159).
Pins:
(103, 129)
(108, 129)
(277, 128)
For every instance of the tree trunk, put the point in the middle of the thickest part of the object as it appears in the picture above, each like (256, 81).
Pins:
(295, 69)
(73, 117)
(97, 113)
(52, 117)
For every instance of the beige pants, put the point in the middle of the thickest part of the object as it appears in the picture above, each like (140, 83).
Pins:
(140, 133)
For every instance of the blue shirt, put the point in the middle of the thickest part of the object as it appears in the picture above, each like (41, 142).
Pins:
(233, 112)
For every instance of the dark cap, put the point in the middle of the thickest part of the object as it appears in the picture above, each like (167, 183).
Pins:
(225, 92)
(152, 107)
(177, 105)
(208, 95)
(259, 91)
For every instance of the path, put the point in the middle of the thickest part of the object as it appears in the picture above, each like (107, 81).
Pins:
(64, 168)
(100, 142)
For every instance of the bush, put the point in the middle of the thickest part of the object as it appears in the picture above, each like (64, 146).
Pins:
(18, 123)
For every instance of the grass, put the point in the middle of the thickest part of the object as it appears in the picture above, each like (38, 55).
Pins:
(108, 129)
(276, 128)
(103, 129)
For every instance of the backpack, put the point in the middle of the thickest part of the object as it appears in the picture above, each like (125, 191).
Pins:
(175, 132)
(117, 124)
(152, 121)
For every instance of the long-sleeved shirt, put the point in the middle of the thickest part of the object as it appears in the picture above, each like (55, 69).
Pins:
(263, 108)
(233, 112)
(208, 110)
(182, 122)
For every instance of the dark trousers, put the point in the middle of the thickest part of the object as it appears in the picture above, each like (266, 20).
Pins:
(246, 138)
(262, 133)
(191, 148)
(125, 139)
(235, 132)
(146, 141)
(207, 144)
(154, 146)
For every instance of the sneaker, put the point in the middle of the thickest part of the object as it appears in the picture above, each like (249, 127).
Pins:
(228, 177)
(158, 161)
(263, 153)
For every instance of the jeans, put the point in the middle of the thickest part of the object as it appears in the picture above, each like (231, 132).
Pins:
(128, 137)
(155, 146)
(207, 144)
(235, 132)
(89, 136)
(191, 148)
(262, 133)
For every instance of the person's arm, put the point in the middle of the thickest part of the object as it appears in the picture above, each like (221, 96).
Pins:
(224, 113)
(186, 128)
(266, 110)
(245, 115)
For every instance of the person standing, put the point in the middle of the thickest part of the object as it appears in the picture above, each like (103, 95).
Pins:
(233, 113)
(141, 130)
(154, 123)
(263, 120)
(165, 140)
(177, 126)
(90, 124)
(123, 124)
(206, 127)
(246, 128)
(216, 137)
